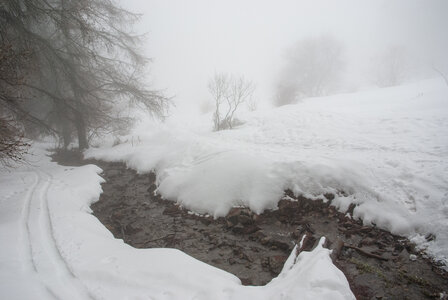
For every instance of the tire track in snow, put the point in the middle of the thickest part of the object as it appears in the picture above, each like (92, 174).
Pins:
(47, 262)
(29, 264)
(65, 268)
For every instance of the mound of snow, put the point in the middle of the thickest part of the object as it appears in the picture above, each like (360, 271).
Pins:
(384, 150)
(53, 248)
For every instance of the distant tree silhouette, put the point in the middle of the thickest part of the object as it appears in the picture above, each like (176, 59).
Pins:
(313, 68)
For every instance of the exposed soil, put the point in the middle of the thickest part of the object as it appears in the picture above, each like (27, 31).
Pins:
(377, 264)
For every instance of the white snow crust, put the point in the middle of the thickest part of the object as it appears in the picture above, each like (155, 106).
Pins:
(384, 150)
(53, 248)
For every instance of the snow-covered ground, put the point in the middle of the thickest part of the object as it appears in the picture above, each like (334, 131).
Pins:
(53, 248)
(384, 150)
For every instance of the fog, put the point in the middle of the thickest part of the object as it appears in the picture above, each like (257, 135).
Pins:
(189, 41)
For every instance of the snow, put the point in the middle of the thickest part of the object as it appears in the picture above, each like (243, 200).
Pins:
(385, 150)
(54, 248)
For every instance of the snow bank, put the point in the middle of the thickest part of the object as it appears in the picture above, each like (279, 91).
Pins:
(52, 247)
(384, 150)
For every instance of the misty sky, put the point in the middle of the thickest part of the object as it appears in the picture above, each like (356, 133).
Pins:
(190, 40)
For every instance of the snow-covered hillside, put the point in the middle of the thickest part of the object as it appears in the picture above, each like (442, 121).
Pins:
(53, 248)
(384, 150)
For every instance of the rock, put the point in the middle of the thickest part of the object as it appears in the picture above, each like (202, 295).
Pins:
(234, 211)
(230, 224)
(347, 252)
(251, 229)
(245, 220)
(337, 248)
(287, 208)
(348, 224)
(278, 244)
(298, 232)
(430, 237)
(258, 235)
(239, 215)
(350, 209)
(265, 240)
(307, 227)
(265, 263)
(285, 204)
(329, 196)
(295, 234)
(276, 263)
(367, 241)
(152, 188)
(398, 247)
(238, 228)
(232, 220)
(308, 243)
(410, 247)
(205, 221)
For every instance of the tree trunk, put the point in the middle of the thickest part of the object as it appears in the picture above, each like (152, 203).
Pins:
(81, 130)
(63, 123)
(66, 134)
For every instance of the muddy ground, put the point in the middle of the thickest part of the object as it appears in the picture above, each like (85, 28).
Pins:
(377, 264)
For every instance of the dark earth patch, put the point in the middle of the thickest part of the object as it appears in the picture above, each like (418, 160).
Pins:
(377, 264)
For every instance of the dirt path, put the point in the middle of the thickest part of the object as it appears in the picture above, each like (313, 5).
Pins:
(377, 264)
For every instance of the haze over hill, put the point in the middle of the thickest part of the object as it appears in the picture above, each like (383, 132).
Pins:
(190, 41)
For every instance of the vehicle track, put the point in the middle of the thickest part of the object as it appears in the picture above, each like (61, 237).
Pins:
(28, 264)
(42, 256)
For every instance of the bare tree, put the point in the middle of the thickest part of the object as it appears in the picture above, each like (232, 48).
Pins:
(228, 92)
(86, 65)
(240, 91)
(13, 145)
(218, 86)
(313, 68)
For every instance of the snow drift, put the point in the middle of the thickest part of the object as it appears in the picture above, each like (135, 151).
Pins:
(384, 150)
(53, 248)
